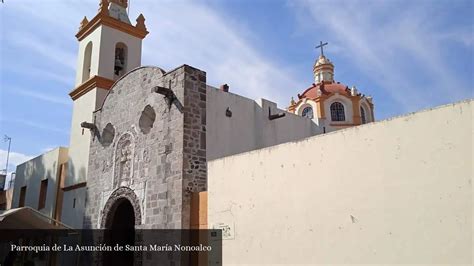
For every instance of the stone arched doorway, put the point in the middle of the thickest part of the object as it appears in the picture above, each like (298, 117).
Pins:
(121, 215)
(115, 200)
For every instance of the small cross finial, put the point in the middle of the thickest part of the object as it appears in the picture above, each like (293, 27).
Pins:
(321, 45)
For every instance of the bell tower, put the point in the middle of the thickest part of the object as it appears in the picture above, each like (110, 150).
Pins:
(109, 47)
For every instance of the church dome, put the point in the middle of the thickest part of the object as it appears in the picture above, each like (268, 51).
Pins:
(321, 88)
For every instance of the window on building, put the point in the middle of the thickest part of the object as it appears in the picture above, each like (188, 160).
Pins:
(21, 203)
(307, 112)
(43, 193)
(337, 112)
(120, 59)
(362, 115)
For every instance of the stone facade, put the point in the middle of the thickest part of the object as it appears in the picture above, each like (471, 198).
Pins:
(149, 151)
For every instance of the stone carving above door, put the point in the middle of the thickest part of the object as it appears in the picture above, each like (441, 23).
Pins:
(123, 161)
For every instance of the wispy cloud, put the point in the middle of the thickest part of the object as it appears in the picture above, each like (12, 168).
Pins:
(464, 36)
(214, 45)
(14, 159)
(44, 97)
(50, 74)
(41, 49)
(395, 48)
(47, 127)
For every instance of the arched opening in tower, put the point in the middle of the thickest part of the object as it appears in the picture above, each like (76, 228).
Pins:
(86, 68)
(120, 63)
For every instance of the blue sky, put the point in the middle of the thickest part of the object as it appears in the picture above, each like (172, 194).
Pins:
(408, 55)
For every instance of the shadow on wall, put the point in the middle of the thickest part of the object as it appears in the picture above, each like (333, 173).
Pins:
(71, 170)
(237, 124)
(72, 198)
(36, 184)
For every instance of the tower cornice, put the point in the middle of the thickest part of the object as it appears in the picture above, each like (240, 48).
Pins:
(102, 18)
(94, 82)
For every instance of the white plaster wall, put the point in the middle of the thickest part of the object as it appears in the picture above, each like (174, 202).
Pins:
(387, 193)
(368, 113)
(73, 215)
(104, 39)
(95, 38)
(79, 147)
(32, 172)
(80, 140)
(249, 127)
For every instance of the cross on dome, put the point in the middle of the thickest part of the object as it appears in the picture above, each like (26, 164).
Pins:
(321, 45)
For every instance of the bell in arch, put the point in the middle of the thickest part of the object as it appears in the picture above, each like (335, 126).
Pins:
(120, 64)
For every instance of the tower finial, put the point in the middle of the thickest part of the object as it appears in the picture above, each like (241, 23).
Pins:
(83, 23)
(103, 6)
(321, 44)
(141, 23)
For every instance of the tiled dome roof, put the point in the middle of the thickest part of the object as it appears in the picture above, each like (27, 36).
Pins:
(324, 88)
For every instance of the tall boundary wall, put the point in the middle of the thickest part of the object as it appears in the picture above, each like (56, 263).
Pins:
(397, 191)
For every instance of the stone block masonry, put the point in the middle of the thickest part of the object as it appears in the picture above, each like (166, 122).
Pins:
(149, 152)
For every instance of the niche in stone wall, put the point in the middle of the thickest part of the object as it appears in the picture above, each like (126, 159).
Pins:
(147, 118)
(123, 161)
(107, 136)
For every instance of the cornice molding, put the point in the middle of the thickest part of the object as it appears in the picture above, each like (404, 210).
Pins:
(94, 82)
(104, 19)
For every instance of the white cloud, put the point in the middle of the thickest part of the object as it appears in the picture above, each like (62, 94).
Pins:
(15, 159)
(44, 97)
(38, 125)
(46, 73)
(181, 32)
(191, 33)
(463, 36)
(43, 49)
(399, 49)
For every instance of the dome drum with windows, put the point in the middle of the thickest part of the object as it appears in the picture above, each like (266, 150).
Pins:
(332, 104)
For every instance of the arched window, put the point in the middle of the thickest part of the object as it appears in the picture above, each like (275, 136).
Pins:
(307, 112)
(337, 112)
(362, 115)
(86, 67)
(120, 58)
